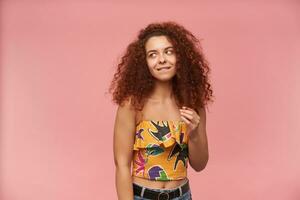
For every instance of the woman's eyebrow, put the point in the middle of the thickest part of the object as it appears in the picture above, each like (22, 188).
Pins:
(153, 50)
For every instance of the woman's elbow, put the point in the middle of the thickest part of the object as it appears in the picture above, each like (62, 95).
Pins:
(200, 166)
(122, 164)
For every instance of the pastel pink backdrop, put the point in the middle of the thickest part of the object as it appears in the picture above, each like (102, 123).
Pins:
(57, 60)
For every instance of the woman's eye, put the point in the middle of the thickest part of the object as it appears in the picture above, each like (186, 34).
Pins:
(151, 55)
(170, 51)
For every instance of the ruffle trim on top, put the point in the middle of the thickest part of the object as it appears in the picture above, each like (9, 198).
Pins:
(151, 133)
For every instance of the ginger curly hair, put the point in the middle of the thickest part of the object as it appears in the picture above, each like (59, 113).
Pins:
(133, 81)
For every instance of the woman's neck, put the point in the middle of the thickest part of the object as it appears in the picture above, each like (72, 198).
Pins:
(162, 91)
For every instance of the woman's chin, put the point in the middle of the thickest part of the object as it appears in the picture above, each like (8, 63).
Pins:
(164, 78)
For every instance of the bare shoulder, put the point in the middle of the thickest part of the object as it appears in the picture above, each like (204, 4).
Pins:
(125, 116)
(126, 110)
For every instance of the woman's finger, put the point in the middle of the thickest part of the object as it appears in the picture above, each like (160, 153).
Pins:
(192, 120)
(187, 111)
(187, 115)
(195, 116)
(185, 119)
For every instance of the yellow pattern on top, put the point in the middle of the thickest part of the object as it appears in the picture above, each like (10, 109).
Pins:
(160, 150)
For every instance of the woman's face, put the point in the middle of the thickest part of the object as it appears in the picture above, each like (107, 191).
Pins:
(161, 58)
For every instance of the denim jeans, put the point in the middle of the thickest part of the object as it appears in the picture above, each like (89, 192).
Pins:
(185, 196)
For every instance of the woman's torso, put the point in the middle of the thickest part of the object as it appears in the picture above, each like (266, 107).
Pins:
(154, 110)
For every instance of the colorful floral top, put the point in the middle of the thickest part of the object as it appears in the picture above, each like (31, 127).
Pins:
(160, 150)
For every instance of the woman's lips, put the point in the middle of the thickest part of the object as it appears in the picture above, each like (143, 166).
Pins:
(164, 68)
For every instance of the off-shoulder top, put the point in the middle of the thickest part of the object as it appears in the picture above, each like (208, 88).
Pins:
(160, 150)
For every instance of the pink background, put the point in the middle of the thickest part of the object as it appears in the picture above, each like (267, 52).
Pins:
(58, 57)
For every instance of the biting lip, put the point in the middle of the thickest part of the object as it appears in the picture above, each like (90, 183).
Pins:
(167, 67)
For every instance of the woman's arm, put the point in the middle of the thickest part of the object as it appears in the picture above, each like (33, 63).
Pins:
(198, 147)
(124, 131)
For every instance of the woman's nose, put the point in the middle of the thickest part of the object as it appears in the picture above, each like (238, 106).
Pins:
(162, 59)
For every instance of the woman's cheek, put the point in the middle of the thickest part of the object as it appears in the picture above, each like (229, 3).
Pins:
(151, 65)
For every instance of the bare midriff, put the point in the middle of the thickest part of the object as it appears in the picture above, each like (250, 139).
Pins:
(158, 184)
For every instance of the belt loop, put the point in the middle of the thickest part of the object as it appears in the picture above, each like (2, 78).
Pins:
(142, 192)
(180, 191)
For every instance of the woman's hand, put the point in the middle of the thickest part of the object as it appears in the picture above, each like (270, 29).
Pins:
(191, 118)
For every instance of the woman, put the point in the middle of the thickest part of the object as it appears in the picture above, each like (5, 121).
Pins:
(161, 88)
